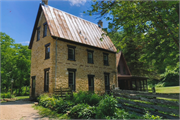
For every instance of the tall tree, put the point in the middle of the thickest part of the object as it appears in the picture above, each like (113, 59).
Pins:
(153, 24)
(15, 63)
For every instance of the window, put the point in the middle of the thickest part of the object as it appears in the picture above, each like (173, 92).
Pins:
(46, 80)
(91, 82)
(47, 51)
(124, 70)
(33, 86)
(106, 82)
(71, 52)
(105, 58)
(45, 30)
(71, 78)
(38, 33)
(119, 69)
(90, 56)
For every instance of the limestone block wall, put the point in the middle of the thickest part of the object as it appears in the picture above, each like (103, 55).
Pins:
(38, 62)
(83, 68)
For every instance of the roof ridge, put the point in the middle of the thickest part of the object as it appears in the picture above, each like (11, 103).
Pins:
(71, 14)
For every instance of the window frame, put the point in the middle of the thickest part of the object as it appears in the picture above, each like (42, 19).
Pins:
(70, 70)
(45, 80)
(38, 33)
(89, 77)
(108, 85)
(71, 47)
(90, 51)
(46, 48)
(106, 54)
(45, 34)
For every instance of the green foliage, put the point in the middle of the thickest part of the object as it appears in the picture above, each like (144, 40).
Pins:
(151, 117)
(59, 105)
(15, 64)
(146, 32)
(82, 111)
(171, 77)
(86, 97)
(7, 95)
(107, 107)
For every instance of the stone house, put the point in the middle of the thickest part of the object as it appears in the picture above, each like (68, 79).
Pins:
(67, 51)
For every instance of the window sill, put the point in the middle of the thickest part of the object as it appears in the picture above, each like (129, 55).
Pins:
(71, 60)
(46, 58)
(90, 63)
(106, 65)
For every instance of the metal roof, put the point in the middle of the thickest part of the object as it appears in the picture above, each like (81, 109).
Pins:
(69, 27)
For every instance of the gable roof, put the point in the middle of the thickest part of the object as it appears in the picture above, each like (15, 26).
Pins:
(66, 26)
(120, 56)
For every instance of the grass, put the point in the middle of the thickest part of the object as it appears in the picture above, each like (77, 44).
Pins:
(45, 112)
(174, 89)
(21, 97)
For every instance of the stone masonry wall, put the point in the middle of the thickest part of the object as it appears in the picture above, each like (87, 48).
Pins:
(83, 68)
(38, 62)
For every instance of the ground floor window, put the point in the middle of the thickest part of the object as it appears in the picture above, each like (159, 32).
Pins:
(71, 79)
(91, 82)
(46, 80)
(106, 82)
(33, 86)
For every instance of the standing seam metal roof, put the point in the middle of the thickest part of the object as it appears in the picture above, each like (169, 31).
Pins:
(67, 26)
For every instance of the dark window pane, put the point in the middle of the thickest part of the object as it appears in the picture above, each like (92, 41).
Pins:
(71, 53)
(45, 30)
(105, 57)
(90, 57)
(38, 34)
(71, 80)
(47, 52)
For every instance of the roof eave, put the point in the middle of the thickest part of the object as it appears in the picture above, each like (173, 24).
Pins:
(35, 25)
(67, 40)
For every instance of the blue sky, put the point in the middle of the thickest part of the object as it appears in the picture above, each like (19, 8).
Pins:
(18, 17)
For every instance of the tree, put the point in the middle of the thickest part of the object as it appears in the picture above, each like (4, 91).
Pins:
(15, 64)
(153, 25)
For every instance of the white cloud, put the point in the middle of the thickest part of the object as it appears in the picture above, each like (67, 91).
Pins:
(81, 15)
(77, 2)
(25, 42)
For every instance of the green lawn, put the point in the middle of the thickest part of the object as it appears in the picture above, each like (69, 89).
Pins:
(174, 89)
(22, 97)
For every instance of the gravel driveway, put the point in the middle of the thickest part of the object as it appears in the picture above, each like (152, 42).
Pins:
(19, 110)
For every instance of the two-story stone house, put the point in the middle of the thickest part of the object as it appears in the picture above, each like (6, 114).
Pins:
(67, 52)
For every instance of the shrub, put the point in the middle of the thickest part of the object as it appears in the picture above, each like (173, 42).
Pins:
(171, 77)
(7, 95)
(63, 106)
(106, 107)
(86, 97)
(150, 117)
(57, 104)
(82, 111)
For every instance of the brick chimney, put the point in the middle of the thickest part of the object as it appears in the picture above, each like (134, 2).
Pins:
(100, 24)
(45, 2)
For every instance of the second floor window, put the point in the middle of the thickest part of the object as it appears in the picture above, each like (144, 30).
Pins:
(45, 30)
(105, 58)
(71, 52)
(38, 33)
(47, 51)
(90, 56)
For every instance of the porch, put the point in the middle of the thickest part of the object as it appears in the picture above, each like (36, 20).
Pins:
(129, 82)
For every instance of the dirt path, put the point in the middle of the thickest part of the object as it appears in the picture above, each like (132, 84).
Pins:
(19, 110)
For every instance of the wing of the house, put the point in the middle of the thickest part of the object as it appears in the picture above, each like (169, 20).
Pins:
(127, 81)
